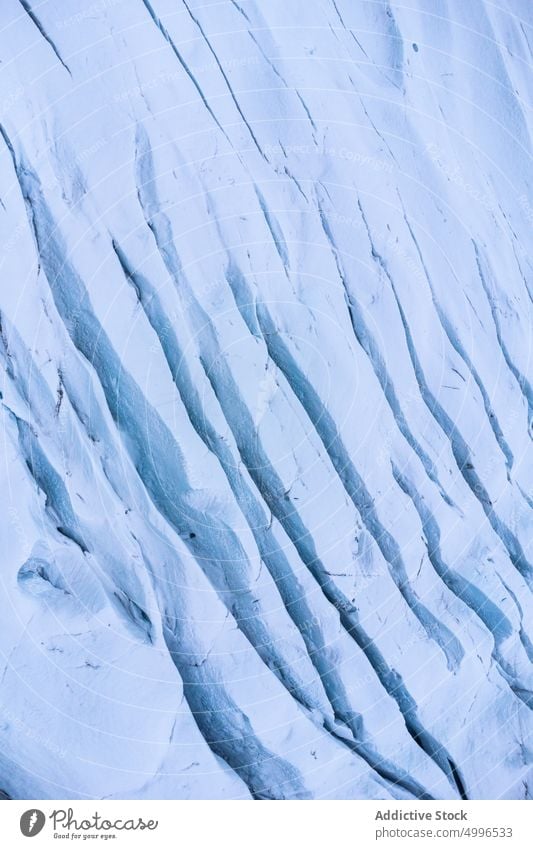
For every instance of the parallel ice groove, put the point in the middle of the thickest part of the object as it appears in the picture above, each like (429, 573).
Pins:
(265, 327)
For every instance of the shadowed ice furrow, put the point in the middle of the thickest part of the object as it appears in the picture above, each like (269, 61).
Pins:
(271, 554)
(365, 340)
(265, 478)
(457, 345)
(490, 614)
(277, 774)
(460, 448)
(521, 379)
(464, 461)
(164, 478)
(355, 487)
(272, 491)
(266, 453)
(35, 20)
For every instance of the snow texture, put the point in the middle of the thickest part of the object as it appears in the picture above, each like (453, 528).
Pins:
(265, 331)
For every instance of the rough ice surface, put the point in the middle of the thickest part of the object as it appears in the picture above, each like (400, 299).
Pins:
(265, 305)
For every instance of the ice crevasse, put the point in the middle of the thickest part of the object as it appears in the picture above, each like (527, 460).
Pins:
(265, 331)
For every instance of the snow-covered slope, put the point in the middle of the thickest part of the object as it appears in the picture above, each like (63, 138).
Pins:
(265, 305)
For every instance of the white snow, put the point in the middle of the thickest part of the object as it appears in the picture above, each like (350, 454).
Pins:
(265, 307)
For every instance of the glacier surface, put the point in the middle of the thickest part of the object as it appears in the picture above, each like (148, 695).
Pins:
(265, 330)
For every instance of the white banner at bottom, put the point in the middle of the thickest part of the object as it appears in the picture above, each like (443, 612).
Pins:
(282, 825)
